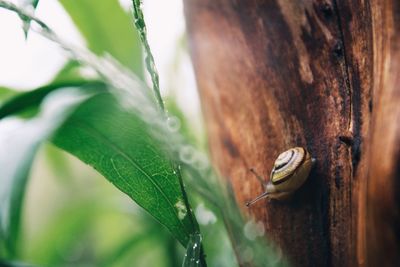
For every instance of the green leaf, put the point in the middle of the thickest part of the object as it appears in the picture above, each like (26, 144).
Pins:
(19, 140)
(14, 264)
(69, 73)
(32, 99)
(107, 28)
(6, 93)
(193, 252)
(118, 144)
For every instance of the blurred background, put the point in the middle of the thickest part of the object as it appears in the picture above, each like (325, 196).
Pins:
(72, 215)
(26, 64)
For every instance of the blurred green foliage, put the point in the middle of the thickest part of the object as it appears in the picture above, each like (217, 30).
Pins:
(72, 235)
(89, 222)
(19, 141)
(107, 28)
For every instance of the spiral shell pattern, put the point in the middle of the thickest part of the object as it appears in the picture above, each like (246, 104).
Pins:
(286, 164)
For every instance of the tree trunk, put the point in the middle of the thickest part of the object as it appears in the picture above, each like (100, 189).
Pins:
(320, 74)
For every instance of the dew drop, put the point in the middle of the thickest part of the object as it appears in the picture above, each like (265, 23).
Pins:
(205, 216)
(201, 162)
(187, 154)
(173, 124)
(253, 229)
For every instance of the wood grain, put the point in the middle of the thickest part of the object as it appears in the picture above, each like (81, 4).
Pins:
(383, 187)
(319, 74)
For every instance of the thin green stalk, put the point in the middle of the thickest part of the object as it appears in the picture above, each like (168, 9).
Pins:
(151, 68)
(150, 63)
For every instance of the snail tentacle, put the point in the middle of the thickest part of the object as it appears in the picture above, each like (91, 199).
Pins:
(263, 195)
(258, 176)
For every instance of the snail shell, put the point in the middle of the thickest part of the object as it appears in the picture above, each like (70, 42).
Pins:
(289, 173)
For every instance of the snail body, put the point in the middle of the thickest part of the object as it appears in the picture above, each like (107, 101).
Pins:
(289, 173)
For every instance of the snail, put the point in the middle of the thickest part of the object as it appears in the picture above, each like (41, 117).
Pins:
(289, 173)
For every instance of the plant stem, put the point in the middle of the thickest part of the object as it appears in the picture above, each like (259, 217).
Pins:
(150, 63)
(151, 68)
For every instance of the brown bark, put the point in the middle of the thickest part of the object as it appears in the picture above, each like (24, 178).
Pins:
(383, 181)
(320, 74)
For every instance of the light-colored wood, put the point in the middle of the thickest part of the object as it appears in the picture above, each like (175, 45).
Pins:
(383, 186)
